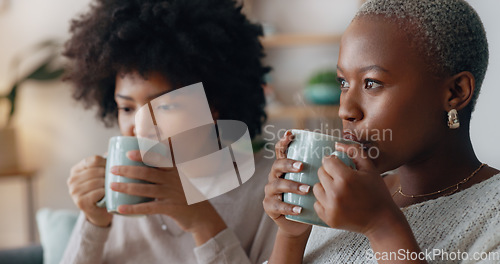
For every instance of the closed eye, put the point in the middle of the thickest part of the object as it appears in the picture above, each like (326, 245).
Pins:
(166, 107)
(126, 110)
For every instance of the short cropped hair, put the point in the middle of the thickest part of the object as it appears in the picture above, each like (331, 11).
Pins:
(448, 33)
(187, 41)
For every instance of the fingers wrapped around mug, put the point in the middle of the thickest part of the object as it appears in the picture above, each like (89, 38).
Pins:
(273, 204)
(152, 175)
(89, 163)
(282, 166)
(86, 187)
(357, 154)
(151, 158)
(282, 145)
(166, 186)
(332, 177)
(352, 199)
(87, 176)
(79, 182)
(142, 208)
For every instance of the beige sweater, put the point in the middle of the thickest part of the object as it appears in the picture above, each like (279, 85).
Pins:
(248, 239)
(467, 221)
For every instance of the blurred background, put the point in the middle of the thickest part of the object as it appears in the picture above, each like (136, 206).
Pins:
(50, 132)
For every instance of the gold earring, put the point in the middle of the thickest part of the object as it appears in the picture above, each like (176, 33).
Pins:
(453, 122)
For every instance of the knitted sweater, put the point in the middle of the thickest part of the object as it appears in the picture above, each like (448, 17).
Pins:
(445, 228)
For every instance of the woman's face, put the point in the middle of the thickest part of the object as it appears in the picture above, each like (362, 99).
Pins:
(389, 100)
(150, 108)
(132, 92)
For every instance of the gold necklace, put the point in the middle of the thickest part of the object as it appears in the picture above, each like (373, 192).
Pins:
(440, 191)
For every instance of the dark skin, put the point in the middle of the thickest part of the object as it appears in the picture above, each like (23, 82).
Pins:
(385, 85)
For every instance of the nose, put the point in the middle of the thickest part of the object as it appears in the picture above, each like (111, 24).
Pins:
(350, 108)
(128, 130)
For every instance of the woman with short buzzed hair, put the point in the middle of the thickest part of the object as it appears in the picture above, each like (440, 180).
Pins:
(416, 68)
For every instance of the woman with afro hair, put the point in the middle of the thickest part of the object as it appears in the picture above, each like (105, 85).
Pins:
(123, 54)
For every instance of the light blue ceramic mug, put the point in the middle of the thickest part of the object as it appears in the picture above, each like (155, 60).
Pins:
(310, 148)
(117, 156)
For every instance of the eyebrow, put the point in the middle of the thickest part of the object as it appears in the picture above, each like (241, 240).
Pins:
(151, 97)
(124, 97)
(368, 68)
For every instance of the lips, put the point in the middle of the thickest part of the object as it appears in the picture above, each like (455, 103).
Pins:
(349, 135)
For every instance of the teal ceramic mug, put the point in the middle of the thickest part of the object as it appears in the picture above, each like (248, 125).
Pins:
(117, 156)
(310, 148)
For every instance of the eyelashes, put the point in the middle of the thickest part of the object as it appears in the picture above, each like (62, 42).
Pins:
(372, 84)
(343, 83)
(126, 110)
(368, 83)
(162, 107)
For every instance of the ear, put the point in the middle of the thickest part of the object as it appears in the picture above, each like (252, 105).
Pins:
(460, 90)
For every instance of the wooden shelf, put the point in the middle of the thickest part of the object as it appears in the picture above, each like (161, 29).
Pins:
(303, 111)
(27, 176)
(23, 174)
(300, 114)
(280, 40)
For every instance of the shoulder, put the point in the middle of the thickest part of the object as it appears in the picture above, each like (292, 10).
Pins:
(489, 184)
(480, 201)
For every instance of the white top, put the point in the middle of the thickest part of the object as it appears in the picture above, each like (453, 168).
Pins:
(249, 237)
(467, 221)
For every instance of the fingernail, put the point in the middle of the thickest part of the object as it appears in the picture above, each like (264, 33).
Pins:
(114, 170)
(113, 185)
(288, 133)
(297, 209)
(297, 165)
(304, 188)
(133, 155)
(122, 209)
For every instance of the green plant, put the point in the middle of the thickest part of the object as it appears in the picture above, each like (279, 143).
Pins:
(324, 77)
(323, 88)
(47, 69)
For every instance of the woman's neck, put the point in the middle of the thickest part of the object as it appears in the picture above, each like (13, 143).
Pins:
(448, 164)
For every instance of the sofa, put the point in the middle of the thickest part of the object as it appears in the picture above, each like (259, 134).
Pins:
(54, 228)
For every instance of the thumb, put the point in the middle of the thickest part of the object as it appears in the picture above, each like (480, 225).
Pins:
(358, 155)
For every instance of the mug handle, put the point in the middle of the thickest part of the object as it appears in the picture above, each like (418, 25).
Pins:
(102, 203)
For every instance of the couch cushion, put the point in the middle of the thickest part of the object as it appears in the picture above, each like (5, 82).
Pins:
(30, 254)
(55, 227)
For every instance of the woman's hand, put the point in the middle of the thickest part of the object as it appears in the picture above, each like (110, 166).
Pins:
(86, 187)
(273, 204)
(354, 200)
(200, 219)
(359, 201)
